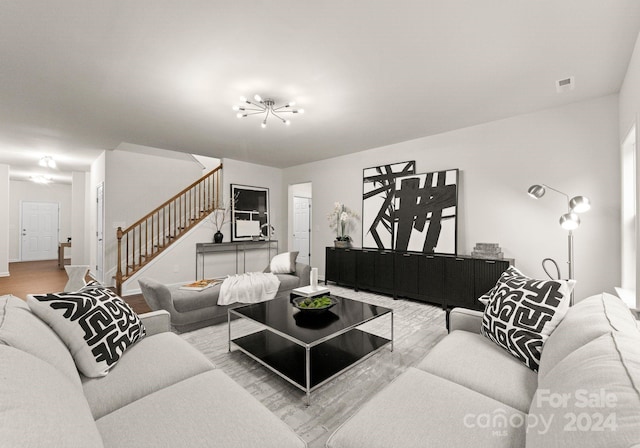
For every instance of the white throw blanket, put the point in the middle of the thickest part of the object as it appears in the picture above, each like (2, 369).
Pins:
(250, 287)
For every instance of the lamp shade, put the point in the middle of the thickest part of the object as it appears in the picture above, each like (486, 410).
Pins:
(580, 204)
(536, 191)
(570, 221)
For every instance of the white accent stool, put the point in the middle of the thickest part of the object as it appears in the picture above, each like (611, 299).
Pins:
(76, 274)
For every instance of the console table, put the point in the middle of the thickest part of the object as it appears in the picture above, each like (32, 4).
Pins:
(239, 247)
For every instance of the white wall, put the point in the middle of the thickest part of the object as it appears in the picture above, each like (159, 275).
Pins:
(29, 191)
(135, 184)
(97, 177)
(629, 117)
(4, 220)
(573, 148)
(79, 224)
(177, 264)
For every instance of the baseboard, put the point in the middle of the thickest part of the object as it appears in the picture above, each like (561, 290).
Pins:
(4, 274)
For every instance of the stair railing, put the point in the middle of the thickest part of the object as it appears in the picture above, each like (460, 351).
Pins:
(146, 238)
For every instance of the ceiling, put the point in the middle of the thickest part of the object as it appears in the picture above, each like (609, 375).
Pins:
(81, 76)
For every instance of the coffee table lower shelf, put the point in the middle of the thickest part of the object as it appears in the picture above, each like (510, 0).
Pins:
(326, 360)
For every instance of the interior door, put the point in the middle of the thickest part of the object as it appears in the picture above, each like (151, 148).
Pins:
(302, 228)
(39, 240)
(100, 233)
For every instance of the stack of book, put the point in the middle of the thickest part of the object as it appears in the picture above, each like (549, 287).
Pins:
(487, 250)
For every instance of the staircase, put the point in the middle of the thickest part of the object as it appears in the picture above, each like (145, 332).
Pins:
(148, 237)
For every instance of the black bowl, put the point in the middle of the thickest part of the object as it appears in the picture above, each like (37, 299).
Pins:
(297, 300)
(315, 321)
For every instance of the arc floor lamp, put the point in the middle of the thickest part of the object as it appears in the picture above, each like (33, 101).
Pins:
(568, 221)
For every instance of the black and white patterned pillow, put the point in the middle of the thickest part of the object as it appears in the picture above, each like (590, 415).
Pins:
(95, 323)
(522, 312)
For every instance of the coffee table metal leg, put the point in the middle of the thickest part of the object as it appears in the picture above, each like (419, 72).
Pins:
(307, 364)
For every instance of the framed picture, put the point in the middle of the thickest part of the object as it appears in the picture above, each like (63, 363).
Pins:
(249, 213)
(378, 192)
(426, 212)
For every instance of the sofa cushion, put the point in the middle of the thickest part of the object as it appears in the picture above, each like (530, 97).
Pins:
(592, 397)
(152, 364)
(21, 329)
(478, 364)
(419, 409)
(287, 282)
(203, 411)
(585, 321)
(185, 301)
(284, 263)
(95, 324)
(522, 312)
(40, 407)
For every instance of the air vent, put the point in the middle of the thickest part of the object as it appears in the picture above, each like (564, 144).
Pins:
(565, 85)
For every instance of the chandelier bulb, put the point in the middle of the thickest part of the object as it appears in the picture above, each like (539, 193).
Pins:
(291, 104)
(236, 108)
(258, 98)
(300, 111)
(240, 115)
(243, 99)
(287, 122)
(264, 124)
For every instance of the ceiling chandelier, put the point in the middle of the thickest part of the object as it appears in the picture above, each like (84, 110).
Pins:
(47, 162)
(266, 107)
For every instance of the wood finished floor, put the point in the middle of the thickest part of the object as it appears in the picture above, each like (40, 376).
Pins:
(37, 277)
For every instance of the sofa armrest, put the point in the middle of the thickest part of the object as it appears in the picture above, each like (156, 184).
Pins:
(156, 322)
(465, 319)
(303, 272)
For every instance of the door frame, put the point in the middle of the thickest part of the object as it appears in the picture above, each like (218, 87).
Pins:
(99, 274)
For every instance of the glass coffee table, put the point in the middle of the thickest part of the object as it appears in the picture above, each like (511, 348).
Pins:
(309, 348)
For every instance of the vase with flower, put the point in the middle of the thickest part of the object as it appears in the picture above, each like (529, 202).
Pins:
(341, 219)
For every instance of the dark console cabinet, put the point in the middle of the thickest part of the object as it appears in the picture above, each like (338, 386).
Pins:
(374, 270)
(459, 282)
(440, 279)
(343, 268)
(407, 275)
(431, 279)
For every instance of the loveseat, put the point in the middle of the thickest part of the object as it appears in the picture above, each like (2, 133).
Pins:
(190, 310)
(161, 393)
(469, 392)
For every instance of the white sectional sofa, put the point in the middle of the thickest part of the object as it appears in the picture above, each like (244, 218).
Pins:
(162, 393)
(468, 392)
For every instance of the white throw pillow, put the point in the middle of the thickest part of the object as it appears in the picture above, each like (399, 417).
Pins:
(522, 312)
(96, 325)
(284, 263)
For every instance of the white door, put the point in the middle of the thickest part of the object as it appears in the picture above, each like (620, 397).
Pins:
(39, 231)
(302, 228)
(100, 233)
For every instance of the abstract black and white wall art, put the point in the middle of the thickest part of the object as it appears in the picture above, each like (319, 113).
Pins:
(249, 212)
(425, 212)
(378, 191)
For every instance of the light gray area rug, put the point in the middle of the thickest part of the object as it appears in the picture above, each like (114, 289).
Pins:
(417, 328)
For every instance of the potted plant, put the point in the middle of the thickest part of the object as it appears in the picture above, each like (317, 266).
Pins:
(341, 219)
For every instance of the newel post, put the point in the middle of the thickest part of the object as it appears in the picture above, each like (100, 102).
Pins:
(119, 271)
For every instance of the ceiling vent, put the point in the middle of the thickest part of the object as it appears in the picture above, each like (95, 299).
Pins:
(565, 85)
